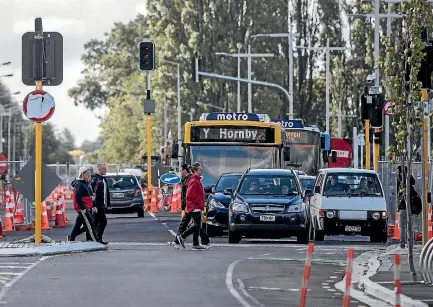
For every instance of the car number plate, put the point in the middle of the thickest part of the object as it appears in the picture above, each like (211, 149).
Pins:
(267, 218)
(118, 194)
(353, 228)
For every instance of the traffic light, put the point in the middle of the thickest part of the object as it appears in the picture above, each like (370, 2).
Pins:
(377, 111)
(147, 55)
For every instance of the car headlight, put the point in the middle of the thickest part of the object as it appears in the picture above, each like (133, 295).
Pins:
(240, 207)
(215, 204)
(376, 215)
(296, 208)
(330, 214)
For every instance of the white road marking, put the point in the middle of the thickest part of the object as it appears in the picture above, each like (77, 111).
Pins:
(153, 215)
(10, 273)
(10, 284)
(331, 290)
(13, 267)
(333, 276)
(229, 284)
(245, 292)
(274, 289)
(172, 232)
(326, 287)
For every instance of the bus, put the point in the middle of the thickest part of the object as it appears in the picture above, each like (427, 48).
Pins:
(309, 148)
(232, 142)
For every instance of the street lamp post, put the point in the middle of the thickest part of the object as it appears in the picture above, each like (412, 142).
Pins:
(199, 103)
(328, 50)
(248, 55)
(179, 110)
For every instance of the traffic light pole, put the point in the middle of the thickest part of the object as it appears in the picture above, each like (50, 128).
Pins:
(425, 169)
(149, 135)
(367, 144)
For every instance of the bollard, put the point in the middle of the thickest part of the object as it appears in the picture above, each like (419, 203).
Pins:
(426, 262)
(303, 297)
(397, 282)
(346, 298)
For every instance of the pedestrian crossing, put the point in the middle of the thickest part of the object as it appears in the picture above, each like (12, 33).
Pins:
(13, 270)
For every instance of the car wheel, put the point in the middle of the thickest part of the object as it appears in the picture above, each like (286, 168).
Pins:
(140, 212)
(304, 237)
(234, 237)
(210, 230)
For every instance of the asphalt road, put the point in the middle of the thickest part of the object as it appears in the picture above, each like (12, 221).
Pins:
(140, 269)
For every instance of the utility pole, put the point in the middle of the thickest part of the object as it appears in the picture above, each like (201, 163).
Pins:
(328, 50)
(249, 56)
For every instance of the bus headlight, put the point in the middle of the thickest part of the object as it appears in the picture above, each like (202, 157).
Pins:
(240, 207)
(330, 214)
(215, 204)
(376, 215)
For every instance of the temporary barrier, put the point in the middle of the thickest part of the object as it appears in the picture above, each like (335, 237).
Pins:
(397, 282)
(306, 277)
(426, 262)
(346, 298)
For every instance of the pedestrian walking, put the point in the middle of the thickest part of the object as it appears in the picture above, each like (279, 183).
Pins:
(195, 198)
(102, 200)
(83, 205)
(415, 203)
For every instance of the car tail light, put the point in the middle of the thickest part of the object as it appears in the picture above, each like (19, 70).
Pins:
(137, 191)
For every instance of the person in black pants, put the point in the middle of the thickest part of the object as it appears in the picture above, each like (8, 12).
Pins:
(186, 174)
(83, 205)
(195, 198)
(102, 200)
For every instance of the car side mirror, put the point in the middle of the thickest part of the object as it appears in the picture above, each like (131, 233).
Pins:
(208, 190)
(334, 156)
(228, 191)
(286, 154)
(317, 189)
(308, 193)
(213, 189)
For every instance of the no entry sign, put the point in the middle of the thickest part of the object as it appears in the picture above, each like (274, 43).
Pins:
(39, 106)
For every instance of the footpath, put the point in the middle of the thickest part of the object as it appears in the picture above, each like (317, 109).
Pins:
(27, 247)
(377, 279)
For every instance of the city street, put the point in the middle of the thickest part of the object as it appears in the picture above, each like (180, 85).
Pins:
(141, 267)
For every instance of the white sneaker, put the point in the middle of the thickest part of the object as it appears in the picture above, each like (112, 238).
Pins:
(173, 244)
(207, 246)
(199, 247)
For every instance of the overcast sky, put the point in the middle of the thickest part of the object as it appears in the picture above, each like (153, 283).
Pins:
(78, 21)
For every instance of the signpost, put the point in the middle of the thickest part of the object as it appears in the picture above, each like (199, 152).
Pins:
(388, 108)
(42, 64)
(24, 181)
(170, 179)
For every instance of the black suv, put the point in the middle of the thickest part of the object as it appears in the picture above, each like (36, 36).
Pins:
(268, 203)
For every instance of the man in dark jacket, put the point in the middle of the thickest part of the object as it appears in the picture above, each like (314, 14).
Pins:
(194, 207)
(83, 205)
(102, 199)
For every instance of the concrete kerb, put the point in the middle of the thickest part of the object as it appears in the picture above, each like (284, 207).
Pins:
(52, 249)
(376, 290)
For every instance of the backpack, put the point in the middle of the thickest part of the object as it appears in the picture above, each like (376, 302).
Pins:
(415, 202)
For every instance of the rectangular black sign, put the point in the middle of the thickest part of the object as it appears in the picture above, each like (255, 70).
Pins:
(233, 134)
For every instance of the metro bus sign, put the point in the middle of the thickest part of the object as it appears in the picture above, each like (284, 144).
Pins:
(233, 116)
(291, 123)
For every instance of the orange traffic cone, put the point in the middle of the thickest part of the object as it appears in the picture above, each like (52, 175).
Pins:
(45, 224)
(147, 198)
(8, 216)
(60, 220)
(19, 214)
(153, 204)
(397, 228)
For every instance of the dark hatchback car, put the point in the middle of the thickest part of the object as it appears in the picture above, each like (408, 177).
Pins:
(217, 204)
(125, 194)
(268, 203)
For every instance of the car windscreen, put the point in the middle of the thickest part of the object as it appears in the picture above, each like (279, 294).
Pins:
(227, 182)
(307, 183)
(352, 184)
(278, 185)
(121, 181)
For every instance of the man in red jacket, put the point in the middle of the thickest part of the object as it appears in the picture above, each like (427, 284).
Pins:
(195, 206)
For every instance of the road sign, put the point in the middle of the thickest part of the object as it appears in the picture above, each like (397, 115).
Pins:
(3, 165)
(24, 181)
(52, 65)
(39, 106)
(170, 179)
(388, 108)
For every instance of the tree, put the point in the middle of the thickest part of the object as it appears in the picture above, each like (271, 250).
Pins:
(402, 70)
